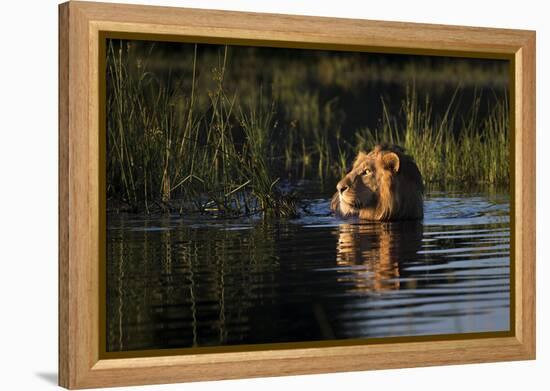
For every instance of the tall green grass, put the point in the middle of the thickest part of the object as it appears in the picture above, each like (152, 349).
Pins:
(191, 143)
(166, 152)
(449, 148)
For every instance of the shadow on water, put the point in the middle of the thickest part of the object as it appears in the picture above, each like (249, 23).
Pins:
(195, 281)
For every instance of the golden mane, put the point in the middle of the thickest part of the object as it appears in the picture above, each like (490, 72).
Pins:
(383, 184)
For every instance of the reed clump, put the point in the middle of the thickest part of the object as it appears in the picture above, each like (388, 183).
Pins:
(450, 148)
(166, 152)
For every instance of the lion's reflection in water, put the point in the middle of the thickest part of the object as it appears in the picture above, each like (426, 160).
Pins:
(371, 255)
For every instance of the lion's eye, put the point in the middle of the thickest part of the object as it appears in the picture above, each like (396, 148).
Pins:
(367, 171)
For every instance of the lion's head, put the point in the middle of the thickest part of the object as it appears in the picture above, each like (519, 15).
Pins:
(384, 184)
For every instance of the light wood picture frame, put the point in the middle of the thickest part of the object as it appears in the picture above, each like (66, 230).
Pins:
(81, 25)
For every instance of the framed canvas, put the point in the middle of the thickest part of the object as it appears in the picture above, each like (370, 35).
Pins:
(247, 195)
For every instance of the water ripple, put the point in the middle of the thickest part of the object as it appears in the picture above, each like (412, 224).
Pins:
(199, 281)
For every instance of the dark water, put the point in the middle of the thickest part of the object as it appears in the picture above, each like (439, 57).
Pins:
(178, 282)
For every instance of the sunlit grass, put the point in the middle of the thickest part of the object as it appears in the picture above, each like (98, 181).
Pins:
(166, 152)
(478, 152)
(183, 144)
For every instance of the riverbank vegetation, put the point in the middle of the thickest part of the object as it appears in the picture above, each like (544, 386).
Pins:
(223, 130)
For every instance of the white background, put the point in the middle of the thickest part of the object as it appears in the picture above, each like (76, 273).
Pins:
(28, 193)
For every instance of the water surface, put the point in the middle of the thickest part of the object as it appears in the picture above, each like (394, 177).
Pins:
(176, 282)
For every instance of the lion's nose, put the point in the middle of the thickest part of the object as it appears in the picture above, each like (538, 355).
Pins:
(341, 188)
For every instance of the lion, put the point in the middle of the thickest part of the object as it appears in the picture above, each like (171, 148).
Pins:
(383, 184)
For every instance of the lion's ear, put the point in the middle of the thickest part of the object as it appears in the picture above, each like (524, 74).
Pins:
(390, 161)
